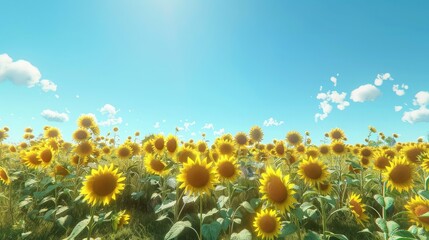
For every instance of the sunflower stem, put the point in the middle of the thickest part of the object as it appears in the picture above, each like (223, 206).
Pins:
(322, 206)
(91, 222)
(10, 203)
(201, 217)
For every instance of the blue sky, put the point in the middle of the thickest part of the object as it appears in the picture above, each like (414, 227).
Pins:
(231, 64)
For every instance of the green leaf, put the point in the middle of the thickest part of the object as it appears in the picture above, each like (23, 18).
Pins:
(78, 229)
(247, 206)
(211, 231)
(224, 222)
(162, 217)
(288, 229)
(312, 236)
(402, 235)
(65, 221)
(166, 206)
(30, 182)
(424, 194)
(338, 236)
(189, 199)
(389, 201)
(381, 223)
(222, 200)
(392, 226)
(366, 230)
(210, 213)
(413, 229)
(243, 235)
(61, 211)
(177, 229)
(379, 199)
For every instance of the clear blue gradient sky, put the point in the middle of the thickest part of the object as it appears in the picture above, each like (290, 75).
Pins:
(233, 64)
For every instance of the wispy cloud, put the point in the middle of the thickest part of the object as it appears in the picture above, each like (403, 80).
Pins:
(54, 116)
(272, 122)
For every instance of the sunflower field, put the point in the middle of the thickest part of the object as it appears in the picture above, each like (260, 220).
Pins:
(237, 187)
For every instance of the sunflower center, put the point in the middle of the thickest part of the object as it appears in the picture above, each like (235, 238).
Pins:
(46, 155)
(85, 148)
(104, 185)
(355, 206)
(81, 135)
(364, 161)
(300, 148)
(337, 135)
(171, 145)
(124, 152)
(413, 154)
(267, 224)
(324, 150)
(226, 169)
(184, 155)
(198, 176)
(276, 190)
(225, 149)
(390, 153)
(382, 162)
(324, 186)
(365, 152)
(312, 153)
(157, 165)
(159, 143)
(293, 139)
(241, 139)
(338, 148)
(401, 174)
(420, 210)
(313, 171)
(34, 159)
(280, 149)
(202, 147)
(86, 122)
(3, 175)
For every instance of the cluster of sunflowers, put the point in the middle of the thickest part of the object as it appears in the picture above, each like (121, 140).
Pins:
(236, 188)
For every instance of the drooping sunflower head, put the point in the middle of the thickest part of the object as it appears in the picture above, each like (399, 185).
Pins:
(102, 185)
(52, 132)
(256, 134)
(31, 159)
(358, 208)
(324, 188)
(313, 171)
(293, 138)
(3, 135)
(124, 151)
(277, 189)
(148, 147)
(60, 170)
(338, 147)
(4, 176)
(413, 153)
(241, 139)
(227, 168)
(120, 219)
(225, 147)
(81, 134)
(135, 147)
(337, 134)
(86, 121)
(267, 224)
(158, 143)
(399, 175)
(381, 161)
(417, 206)
(197, 176)
(155, 165)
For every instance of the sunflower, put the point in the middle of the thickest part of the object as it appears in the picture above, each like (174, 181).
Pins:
(60, 171)
(225, 147)
(158, 143)
(300, 149)
(4, 177)
(124, 151)
(312, 152)
(52, 132)
(277, 189)
(12, 148)
(121, 219)
(267, 224)
(202, 147)
(366, 152)
(399, 175)
(154, 165)
(227, 168)
(358, 208)
(241, 139)
(365, 162)
(294, 138)
(417, 207)
(46, 154)
(337, 134)
(102, 185)
(324, 149)
(86, 121)
(381, 161)
(256, 134)
(186, 153)
(197, 176)
(280, 149)
(31, 159)
(425, 161)
(77, 160)
(213, 155)
(81, 134)
(413, 152)
(84, 149)
(324, 188)
(135, 147)
(106, 150)
(338, 147)
(171, 145)
(313, 171)
(3, 135)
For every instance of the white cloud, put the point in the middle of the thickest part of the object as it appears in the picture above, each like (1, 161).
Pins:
(422, 113)
(272, 122)
(187, 125)
(156, 125)
(399, 90)
(208, 126)
(57, 96)
(381, 78)
(111, 112)
(326, 109)
(219, 132)
(367, 92)
(334, 80)
(339, 99)
(398, 108)
(48, 85)
(54, 116)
